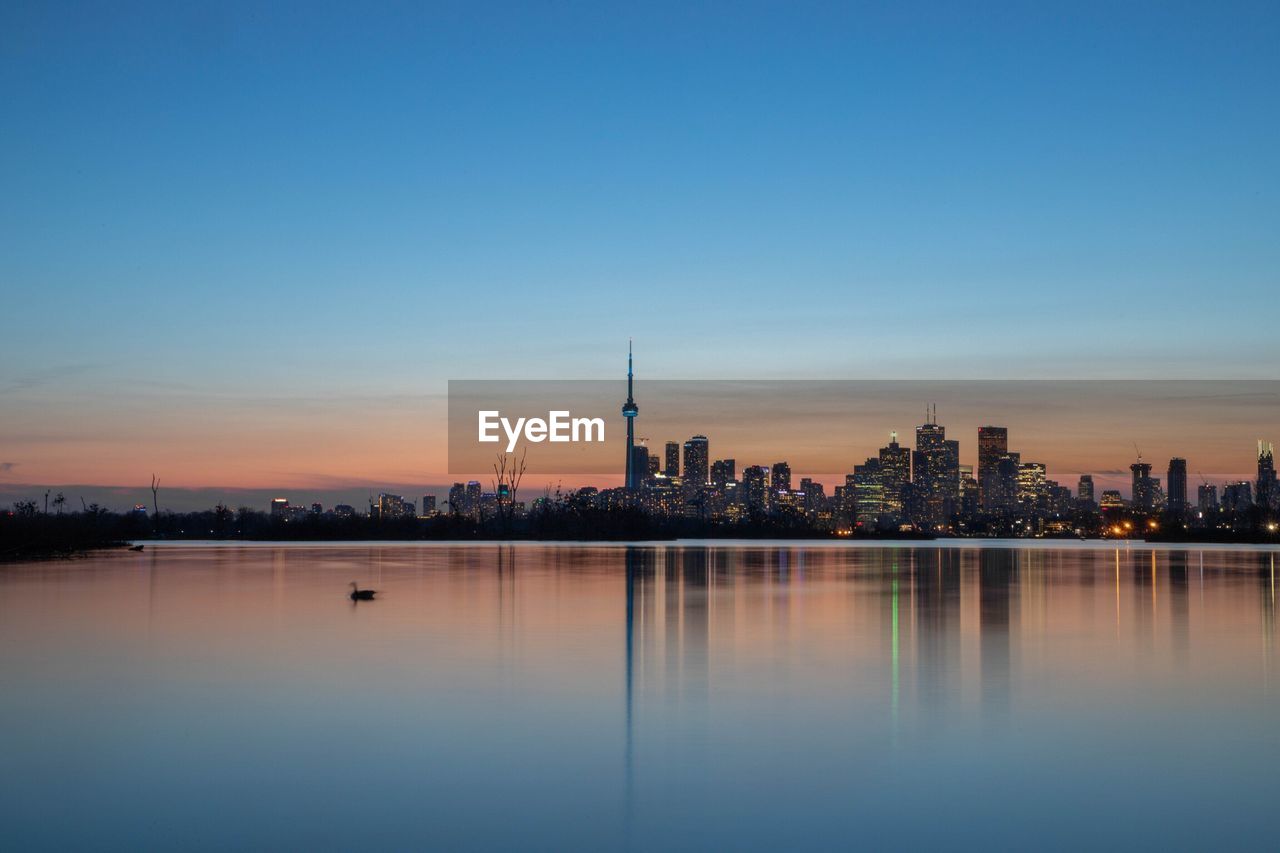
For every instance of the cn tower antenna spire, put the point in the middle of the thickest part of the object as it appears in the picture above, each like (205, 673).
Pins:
(629, 411)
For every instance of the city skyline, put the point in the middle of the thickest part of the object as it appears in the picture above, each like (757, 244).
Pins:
(966, 454)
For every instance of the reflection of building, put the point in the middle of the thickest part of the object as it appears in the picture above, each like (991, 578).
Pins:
(997, 593)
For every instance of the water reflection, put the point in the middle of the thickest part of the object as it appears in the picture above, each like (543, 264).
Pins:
(755, 688)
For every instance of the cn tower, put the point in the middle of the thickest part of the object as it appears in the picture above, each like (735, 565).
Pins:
(629, 411)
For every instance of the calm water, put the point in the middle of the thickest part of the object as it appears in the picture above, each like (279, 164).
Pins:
(726, 697)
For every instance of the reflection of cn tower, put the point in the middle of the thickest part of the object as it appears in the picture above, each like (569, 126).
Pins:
(629, 411)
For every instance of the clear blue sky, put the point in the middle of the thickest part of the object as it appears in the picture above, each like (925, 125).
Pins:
(359, 199)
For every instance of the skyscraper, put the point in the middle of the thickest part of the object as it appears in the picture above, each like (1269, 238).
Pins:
(780, 480)
(1143, 487)
(993, 442)
(755, 487)
(1085, 491)
(639, 465)
(1003, 484)
(1207, 497)
(1267, 495)
(1177, 496)
(695, 462)
(723, 471)
(1031, 483)
(629, 411)
(935, 472)
(1238, 496)
(673, 460)
(895, 474)
(868, 492)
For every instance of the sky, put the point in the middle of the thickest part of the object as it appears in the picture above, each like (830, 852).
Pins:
(246, 246)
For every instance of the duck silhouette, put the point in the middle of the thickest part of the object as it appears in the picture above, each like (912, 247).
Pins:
(358, 594)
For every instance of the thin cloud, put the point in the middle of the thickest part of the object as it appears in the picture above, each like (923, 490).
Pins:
(47, 376)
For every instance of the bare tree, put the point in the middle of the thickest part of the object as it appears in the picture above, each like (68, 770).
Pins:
(155, 495)
(508, 472)
(59, 501)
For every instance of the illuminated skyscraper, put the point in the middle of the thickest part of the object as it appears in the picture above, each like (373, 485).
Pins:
(1031, 483)
(969, 505)
(993, 442)
(935, 472)
(639, 465)
(696, 472)
(1267, 495)
(755, 487)
(895, 474)
(1085, 491)
(780, 480)
(868, 492)
(1177, 483)
(1143, 487)
(1207, 498)
(1238, 496)
(723, 471)
(673, 460)
(629, 411)
(1003, 484)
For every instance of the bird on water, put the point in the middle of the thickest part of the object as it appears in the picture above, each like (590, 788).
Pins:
(358, 594)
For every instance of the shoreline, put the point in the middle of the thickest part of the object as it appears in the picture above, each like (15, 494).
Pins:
(954, 543)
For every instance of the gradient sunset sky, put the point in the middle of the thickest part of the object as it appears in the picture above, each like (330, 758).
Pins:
(246, 245)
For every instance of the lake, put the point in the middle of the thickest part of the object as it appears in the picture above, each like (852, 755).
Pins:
(750, 695)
